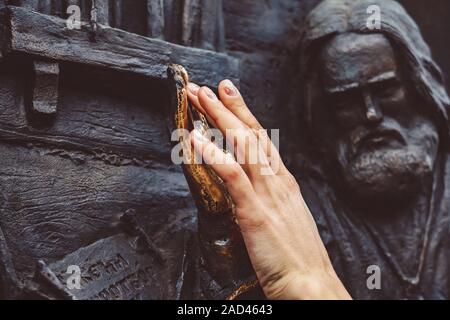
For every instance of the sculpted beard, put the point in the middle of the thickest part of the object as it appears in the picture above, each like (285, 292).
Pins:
(388, 173)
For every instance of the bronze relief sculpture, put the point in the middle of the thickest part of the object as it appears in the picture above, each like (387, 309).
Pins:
(221, 245)
(86, 179)
(375, 114)
(376, 110)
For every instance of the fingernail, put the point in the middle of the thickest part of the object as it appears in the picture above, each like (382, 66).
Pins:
(193, 88)
(210, 94)
(229, 88)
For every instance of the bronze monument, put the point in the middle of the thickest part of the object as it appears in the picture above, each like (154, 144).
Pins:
(375, 114)
(85, 121)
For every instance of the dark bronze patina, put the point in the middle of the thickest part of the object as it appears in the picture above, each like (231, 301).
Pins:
(375, 113)
(86, 176)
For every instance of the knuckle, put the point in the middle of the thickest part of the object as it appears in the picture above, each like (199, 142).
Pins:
(254, 124)
(238, 103)
(233, 174)
(254, 217)
(291, 182)
(249, 221)
(216, 116)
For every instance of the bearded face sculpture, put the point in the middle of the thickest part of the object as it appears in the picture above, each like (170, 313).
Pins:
(375, 102)
(384, 141)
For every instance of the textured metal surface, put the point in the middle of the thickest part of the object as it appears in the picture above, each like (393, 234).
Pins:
(99, 174)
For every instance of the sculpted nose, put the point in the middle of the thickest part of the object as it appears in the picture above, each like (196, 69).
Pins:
(372, 111)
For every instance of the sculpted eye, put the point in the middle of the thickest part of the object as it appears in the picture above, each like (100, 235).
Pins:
(388, 89)
(344, 106)
(341, 99)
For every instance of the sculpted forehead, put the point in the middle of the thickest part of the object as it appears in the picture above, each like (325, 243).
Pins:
(351, 59)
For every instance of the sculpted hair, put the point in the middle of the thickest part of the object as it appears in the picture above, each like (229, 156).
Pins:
(334, 17)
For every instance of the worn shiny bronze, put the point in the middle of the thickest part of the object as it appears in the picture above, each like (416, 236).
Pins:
(220, 239)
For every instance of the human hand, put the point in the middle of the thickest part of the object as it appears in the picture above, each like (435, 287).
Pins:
(280, 233)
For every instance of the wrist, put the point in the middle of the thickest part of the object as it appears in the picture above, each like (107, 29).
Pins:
(314, 287)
